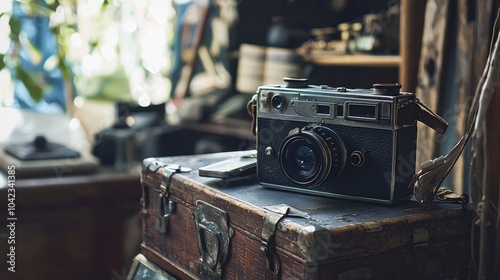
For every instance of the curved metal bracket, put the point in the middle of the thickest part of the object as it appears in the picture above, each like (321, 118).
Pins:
(214, 236)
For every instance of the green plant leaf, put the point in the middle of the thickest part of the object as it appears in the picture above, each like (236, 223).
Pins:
(65, 69)
(15, 28)
(2, 63)
(35, 90)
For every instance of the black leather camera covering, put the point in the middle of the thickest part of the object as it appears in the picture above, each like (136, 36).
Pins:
(372, 180)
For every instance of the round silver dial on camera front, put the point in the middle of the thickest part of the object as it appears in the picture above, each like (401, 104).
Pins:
(357, 158)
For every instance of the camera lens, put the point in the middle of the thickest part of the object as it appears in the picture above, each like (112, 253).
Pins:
(312, 155)
(300, 160)
(278, 102)
(305, 158)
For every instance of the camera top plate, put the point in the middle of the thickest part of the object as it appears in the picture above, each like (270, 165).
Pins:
(384, 91)
(382, 107)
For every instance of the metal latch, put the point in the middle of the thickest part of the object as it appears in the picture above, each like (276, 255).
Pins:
(150, 166)
(270, 222)
(166, 206)
(419, 260)
(214, 236)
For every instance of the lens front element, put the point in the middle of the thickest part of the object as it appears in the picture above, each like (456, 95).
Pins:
(312, 155)
(305, 158)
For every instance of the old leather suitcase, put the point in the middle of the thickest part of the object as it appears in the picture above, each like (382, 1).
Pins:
(208, 228)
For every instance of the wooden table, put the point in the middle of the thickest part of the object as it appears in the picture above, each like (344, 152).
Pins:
(73, 227)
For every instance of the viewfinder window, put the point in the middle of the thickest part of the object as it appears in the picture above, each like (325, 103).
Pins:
(340, 110)
(323, 110)
(362, 111)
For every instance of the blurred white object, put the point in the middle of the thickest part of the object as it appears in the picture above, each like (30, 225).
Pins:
(22, 126)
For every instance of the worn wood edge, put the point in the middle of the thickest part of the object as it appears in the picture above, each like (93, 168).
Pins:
(453, 257)
(430, 72)
(288, 239)
(172, 268)
(232, 264)
(462, 75)
(236, 227)
(345, 233)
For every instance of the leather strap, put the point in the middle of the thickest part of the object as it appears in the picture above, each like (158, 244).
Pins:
(269, 224)
(431, 119)
(252, 110)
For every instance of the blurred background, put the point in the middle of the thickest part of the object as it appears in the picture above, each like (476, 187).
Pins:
(118, 81)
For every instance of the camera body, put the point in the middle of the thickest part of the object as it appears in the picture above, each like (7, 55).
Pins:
(349, 143)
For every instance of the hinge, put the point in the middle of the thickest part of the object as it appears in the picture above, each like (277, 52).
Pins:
(269, 224)
(165, 206)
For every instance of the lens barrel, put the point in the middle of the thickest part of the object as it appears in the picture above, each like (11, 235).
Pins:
(312, 155)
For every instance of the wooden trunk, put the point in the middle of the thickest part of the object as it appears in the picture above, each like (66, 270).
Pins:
(272, 234)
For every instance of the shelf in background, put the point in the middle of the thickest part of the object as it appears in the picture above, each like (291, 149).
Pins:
(355, 60)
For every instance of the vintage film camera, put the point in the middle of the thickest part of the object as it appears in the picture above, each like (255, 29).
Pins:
(349, 143)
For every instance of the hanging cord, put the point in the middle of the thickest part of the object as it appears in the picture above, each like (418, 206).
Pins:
(429, 178)
(480, 135)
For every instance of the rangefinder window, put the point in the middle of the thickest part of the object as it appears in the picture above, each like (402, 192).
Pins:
(340, 110)
(278, 102)
(323, 110)
(362, 111)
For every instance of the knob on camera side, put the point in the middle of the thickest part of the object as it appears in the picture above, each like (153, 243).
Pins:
(296, 82)
(357, 158)
(390, 89)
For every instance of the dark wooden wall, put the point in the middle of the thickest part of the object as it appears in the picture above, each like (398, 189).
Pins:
(452, 62)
